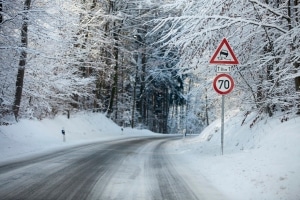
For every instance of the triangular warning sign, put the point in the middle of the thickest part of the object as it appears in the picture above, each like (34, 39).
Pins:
(224, 55)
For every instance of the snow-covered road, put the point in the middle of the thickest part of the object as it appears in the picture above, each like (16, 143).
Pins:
(136, 168)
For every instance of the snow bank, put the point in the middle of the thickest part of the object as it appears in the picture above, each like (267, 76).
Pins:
(33, 136)
(262, 162)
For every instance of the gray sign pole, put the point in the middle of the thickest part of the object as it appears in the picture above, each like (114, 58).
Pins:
(222, 124)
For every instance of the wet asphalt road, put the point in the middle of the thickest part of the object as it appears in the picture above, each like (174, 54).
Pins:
(128, 169)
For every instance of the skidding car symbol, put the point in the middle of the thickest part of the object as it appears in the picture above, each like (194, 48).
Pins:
(223, 55)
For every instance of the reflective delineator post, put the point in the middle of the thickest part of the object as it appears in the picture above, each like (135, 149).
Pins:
(64, 134)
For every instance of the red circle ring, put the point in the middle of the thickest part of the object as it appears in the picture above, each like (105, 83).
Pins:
(215, 84)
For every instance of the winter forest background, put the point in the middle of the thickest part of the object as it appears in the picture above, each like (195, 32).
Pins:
(145, 62)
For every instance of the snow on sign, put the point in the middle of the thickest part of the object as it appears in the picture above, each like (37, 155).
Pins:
(223, 84)
(224, 55)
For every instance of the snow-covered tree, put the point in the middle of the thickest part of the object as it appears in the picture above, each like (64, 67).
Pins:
(264, 37)
(145, 62)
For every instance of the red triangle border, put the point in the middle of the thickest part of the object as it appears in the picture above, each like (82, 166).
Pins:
(224, 62)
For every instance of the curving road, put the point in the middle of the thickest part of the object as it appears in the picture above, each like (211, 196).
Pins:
(129, 169)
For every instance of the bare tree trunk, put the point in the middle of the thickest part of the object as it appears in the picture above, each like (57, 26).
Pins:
(22, 63)
(1, 9)
(115, 83)
(143, 99)
(293, 14)
(297, 79)
(297, 64)
(206, 107)
(134, 98)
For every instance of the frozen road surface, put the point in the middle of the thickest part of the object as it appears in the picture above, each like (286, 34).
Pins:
(129, 169)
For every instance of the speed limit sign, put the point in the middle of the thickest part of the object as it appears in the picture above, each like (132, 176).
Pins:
(223, 84)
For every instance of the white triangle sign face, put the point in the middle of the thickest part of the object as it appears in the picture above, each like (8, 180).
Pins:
(224, 55)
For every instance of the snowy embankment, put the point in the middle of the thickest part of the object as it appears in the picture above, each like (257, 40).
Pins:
(31, 137)
(262, 162)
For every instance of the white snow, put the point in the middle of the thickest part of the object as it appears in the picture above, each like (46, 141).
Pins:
(34, 136)
(258, 163)
(262, 162)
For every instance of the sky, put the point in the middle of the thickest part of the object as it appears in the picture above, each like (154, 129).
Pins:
(262, 162)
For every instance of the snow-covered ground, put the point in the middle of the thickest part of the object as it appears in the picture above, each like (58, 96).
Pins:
(258, 163)
(262, 162)
(30, 137)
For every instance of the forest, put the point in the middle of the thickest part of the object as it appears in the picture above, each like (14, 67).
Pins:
(145, 63)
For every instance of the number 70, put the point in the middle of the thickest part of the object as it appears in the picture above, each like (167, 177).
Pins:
(224, 83)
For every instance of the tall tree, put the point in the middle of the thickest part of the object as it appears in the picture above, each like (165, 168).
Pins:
(1, 10)
(22, 62)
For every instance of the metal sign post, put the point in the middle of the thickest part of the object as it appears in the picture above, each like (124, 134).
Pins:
(223, 84)
(222, 124)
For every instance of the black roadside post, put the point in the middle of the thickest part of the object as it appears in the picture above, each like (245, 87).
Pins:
(64, 134)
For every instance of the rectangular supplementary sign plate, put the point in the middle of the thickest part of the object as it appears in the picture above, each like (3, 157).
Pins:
(223, 69)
